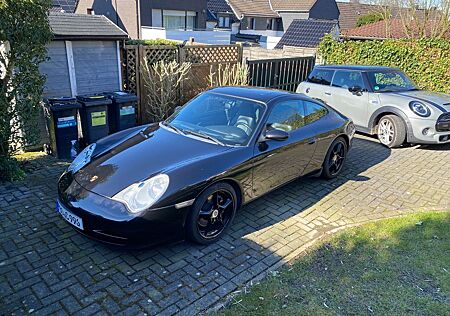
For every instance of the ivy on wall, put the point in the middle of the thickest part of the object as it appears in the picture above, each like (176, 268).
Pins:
(425, 61)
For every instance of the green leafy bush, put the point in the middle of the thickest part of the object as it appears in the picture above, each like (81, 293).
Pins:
(369, 18)
(425, 61)
(155, 42)
(24, 33)
(10, 169)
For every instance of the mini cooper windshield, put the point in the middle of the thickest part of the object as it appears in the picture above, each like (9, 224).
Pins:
(390, 81)
(218, 118)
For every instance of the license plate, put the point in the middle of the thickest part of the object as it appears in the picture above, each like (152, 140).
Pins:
(69, 216)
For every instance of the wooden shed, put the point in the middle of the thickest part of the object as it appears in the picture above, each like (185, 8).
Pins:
(84, 55)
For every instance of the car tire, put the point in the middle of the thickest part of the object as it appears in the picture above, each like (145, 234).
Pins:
(212, 214)
(391, 131)
(335, 159)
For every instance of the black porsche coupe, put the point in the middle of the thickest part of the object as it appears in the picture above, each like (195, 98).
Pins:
(186, 177)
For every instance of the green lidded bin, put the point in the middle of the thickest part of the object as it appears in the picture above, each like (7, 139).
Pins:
(94, 117)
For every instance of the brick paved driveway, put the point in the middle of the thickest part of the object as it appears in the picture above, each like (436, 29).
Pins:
(45, 267)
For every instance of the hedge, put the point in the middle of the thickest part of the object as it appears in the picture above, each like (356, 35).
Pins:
(426, 61)
(152, 42)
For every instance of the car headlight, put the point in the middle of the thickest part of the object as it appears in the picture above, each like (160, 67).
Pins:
(419, 108)
(83, 158)
(142, 195)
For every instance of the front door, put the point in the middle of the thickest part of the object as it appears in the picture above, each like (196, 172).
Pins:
(354, 105)
(277, 162)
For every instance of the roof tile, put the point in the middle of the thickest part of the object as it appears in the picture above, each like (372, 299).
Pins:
(306, 33)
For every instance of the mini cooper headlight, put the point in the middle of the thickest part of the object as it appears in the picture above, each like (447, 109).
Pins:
(419, 108)
(83, 158)
(140, 196)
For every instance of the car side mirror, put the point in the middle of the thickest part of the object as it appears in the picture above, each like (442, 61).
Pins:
(276, 134)
(177, 109)
(356, 89)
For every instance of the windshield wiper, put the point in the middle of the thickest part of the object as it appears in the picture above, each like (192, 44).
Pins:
(176, 129)
(198, 134)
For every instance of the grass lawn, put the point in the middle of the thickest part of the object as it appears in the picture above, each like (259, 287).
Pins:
(394, 267)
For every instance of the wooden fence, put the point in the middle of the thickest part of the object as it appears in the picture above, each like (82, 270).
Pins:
(280, 73)
(203, 58)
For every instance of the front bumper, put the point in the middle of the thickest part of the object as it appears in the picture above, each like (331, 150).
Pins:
(434, 134)
(109, 221)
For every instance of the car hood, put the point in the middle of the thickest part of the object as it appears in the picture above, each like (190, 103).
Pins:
(147, 152)
(440, 99)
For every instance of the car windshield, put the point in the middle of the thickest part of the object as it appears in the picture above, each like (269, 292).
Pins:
(225, 120)
(390, 81)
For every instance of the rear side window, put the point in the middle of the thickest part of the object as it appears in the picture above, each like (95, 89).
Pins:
(313, 112)
(321, 76)
(287, 116)
(348, 79)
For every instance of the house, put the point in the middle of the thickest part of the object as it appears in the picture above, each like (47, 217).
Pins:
(221, 14)
(265, 21)
(264, 16)
(83, 55)
(139, 17)
(389, 29)
(350, 12)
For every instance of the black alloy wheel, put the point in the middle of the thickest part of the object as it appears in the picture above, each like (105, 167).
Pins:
(335, 158)
(212, 214)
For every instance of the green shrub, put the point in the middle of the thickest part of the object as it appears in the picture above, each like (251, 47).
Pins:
(155, 42)
(10, 169)
(369, 18)
(426, 61)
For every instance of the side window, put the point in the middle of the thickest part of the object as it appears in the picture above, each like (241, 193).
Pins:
(313, 112)
(287, 116)
(321, 76)
(348, 79)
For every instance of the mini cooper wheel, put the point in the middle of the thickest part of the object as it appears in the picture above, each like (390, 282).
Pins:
(212, 214)
(391, 131)
(335, 158)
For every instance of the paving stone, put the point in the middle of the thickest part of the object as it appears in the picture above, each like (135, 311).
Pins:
(45, 266)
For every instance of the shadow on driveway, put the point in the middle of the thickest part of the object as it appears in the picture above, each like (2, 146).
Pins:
(46, 266)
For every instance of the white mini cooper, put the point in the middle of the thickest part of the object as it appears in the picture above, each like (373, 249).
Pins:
(382, 101)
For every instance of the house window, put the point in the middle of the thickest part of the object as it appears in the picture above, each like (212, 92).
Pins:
(270, 24)
(224, 21)
(173, 19)
(90, 11)
(251, 23)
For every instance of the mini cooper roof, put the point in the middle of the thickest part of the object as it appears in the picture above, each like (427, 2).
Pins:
(355, 67)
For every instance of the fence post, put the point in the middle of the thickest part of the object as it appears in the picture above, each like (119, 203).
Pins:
(139, 83)
(181, 59)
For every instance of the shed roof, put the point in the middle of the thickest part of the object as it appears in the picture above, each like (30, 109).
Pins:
(306, 33)
(84, 26)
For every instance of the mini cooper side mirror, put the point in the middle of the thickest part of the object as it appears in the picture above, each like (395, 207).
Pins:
(276, 134)
(355, 89)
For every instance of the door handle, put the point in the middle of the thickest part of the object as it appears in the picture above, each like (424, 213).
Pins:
(312, 141)
(328, 93)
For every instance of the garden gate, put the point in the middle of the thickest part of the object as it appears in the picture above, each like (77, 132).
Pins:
(280, 73)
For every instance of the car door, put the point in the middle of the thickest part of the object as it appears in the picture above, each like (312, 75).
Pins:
(277, 162)
(352, 104)
(318, 84)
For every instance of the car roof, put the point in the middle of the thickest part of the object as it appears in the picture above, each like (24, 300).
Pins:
(252, 93)
(354, 67)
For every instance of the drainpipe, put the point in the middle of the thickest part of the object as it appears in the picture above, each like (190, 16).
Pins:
(138, 18)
